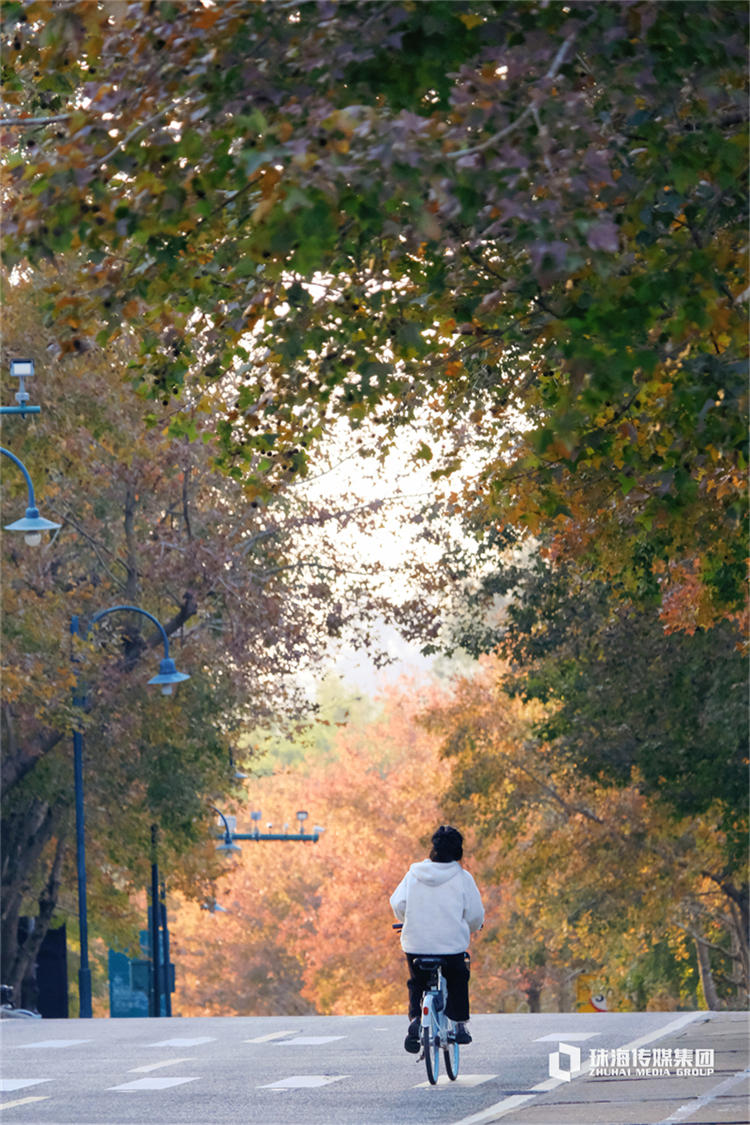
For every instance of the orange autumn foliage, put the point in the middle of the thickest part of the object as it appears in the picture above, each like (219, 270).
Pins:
(309, 926)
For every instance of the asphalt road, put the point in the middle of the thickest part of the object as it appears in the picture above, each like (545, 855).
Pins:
(320, 1070)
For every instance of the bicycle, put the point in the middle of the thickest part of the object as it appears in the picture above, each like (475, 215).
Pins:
(438, 1032)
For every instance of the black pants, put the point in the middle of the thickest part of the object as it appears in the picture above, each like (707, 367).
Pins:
(456, 974)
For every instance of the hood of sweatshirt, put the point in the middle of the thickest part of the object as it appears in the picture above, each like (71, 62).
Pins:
(434, 874)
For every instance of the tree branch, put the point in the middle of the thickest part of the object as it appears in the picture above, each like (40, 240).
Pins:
(528, 112)
(22, 122)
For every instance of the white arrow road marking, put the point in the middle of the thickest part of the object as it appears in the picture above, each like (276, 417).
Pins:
(152, 1083)
(7, 1085)
(156, 1066)
(24, 1101)
(51, 1043)
(309, 1040)
(271, 1035)
(462, 1080)
(303, 1081)
(184, 1042)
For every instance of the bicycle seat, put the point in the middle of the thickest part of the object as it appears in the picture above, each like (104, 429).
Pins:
(428, 962)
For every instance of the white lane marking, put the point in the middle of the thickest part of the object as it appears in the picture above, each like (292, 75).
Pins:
(156, 1066)
(51, 1043)
(25, 1101)
(309, 1040)
(462, 1080)
(184, 1042)
(698, 1103)
(573, 1036)
(7, 1085)
(152, 1083)
(303, 1081)
(271, 1035)
(499, 1109)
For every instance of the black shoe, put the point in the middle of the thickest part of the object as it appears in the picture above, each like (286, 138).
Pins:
(411, 1043)
(461, 1035)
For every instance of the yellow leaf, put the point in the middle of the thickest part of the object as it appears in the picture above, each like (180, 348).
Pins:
(471, 21)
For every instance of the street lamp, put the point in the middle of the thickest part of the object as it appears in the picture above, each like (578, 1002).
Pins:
(256, 834)
(32, 523)
(168, 675)
(21, 369)
(228, 848)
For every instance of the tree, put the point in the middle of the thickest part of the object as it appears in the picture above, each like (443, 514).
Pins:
(624, 694)
(246, 592)
(524, 223)
(308, 927)
(605, 878)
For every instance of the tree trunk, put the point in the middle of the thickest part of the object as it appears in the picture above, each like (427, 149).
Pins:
(25, 835)
(28, 951)
(707, 979)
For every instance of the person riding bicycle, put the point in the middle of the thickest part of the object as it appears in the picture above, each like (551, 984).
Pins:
(440, 906)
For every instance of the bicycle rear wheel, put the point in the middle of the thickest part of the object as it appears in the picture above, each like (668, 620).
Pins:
(451, 1054)
(431, 1044)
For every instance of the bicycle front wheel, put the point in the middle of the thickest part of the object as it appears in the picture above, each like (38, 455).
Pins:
(451, 1054)
(431, 1044)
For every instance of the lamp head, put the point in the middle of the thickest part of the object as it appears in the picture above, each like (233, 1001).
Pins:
(22, 368)
(228, 847)
(168, 675)
(32, 525)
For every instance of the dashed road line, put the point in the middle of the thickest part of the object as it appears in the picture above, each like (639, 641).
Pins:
(690, 1107)
(462, 1080)
(50, 1043)
(568, 1036)
(271, 1036)
(8, 1085)
(152, 1083)
(309, 1040)
(157, 1066)
(303, 1081)
(184, 1042)
(25, 1101)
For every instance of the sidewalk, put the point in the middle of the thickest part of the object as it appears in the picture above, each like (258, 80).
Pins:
(721, 1098)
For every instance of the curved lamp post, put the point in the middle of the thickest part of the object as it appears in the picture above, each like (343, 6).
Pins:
(228, 848)
(168, 675)
(32, 524)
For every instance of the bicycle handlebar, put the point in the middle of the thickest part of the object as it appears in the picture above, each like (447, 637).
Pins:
(397, 926)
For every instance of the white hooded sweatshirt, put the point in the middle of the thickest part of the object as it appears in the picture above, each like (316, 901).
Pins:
(440, 906)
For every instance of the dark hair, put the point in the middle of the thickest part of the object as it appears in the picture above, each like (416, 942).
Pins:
(447, 845)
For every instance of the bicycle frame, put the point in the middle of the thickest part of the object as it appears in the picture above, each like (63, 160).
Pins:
(433, 1007)
(437, 1029)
